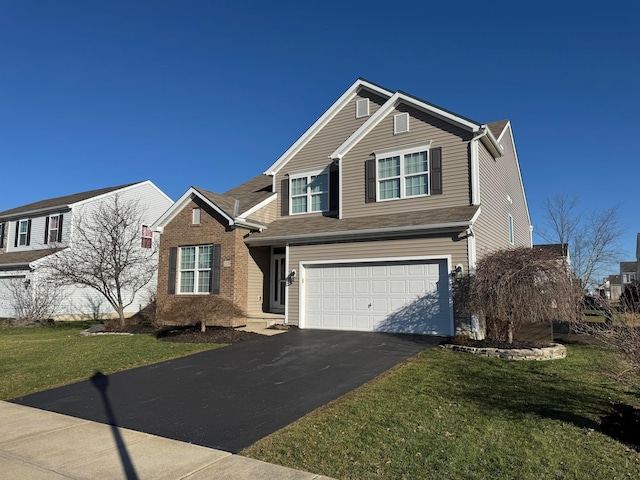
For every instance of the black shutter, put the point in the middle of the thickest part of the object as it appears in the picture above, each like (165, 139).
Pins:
(215, 269)
(29, 232)
(173, 256)
(60, 227)
(334, 176)
(46, 229)
(436, 170)
(284, 197)
(370, 181)
(1, 235)
(17, 229)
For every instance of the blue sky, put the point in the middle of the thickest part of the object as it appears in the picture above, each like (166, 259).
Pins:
(102, 93)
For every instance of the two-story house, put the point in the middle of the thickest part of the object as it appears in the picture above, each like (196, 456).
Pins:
(30, 233)
(360, 225)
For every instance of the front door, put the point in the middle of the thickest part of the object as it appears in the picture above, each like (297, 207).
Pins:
(278, 282)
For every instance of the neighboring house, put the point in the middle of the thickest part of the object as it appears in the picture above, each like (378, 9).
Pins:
(360, 224)
(30, 233)
(628, 272)
(561, 250)
(638, 257)
(610, 287)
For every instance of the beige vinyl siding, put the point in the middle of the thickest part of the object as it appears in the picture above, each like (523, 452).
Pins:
(265, 215)
(423, 127)
(258, 280)
(499, 182)
(315, 154)
(436, 246)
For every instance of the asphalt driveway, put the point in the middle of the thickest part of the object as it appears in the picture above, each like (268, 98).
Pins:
(231, 397)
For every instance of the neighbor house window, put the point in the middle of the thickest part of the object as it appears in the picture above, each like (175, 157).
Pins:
(23, 232)
(403, 174)
(1, 235)
(53, 229)
(195, 216)
(310, 193)
(511, 236)
(147, 237)
(196, 264)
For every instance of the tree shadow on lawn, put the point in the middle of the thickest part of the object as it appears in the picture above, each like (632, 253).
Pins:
(543, 389)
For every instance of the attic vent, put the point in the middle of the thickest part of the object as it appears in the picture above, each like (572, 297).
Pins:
(362, 108)
(400, 123)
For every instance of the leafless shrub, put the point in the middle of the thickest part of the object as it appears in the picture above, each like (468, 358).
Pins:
(33, 302)
(512, 287)
(200, 310)
(618, 327)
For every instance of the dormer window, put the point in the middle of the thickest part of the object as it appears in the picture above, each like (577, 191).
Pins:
(310, 193)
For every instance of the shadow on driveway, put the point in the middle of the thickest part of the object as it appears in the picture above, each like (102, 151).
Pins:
(231, 397)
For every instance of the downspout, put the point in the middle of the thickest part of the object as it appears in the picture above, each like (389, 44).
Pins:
(475, 167)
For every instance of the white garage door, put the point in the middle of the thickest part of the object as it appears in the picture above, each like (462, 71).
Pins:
(400, 297)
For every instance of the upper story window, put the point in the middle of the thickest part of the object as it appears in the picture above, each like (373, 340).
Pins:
(147, 237)
(23, 233)
(403, 174)
(196, 268)
(310, 193)
(628, 277)
(53, 229)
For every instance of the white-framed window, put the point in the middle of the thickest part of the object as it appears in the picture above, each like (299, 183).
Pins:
(511, 235)
(195, 269)
(309, 193)
(196, 213)
(628, 277)
(147, 237)
(54, 228)
(23, 233)
(403, 173)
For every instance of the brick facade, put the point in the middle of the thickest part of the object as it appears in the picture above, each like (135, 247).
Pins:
(180, 231)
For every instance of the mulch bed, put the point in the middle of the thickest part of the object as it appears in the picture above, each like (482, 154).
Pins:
(187, 334)
(468, 342)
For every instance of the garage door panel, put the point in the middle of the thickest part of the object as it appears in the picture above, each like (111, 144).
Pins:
(408, 297)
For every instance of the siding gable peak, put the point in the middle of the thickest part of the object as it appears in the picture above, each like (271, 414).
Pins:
(338, 105)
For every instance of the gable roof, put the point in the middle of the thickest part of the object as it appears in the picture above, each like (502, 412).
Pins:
(308, 228)
(497, 128)
(485, 133)
(60, 202)
(249, 195)
(345, 98)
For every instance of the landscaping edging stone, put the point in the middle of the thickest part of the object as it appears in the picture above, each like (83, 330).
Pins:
(553, 352)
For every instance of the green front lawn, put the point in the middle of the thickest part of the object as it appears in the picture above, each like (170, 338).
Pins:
(449, 415)
(34, 359)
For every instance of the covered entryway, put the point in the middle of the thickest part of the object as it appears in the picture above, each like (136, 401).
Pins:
(387, 296)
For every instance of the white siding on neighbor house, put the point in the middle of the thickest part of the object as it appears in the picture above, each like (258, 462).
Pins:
(38, 223)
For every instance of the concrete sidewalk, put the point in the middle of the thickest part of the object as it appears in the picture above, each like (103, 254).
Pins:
(37, 444)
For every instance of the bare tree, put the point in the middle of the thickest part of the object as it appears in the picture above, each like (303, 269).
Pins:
(513, 287)
(106, 253)
(593, 237)
(32, 302)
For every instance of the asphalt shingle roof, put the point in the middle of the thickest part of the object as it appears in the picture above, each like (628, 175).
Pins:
(249, 194)
(25, 257)
(310, 225)
(53, 203)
